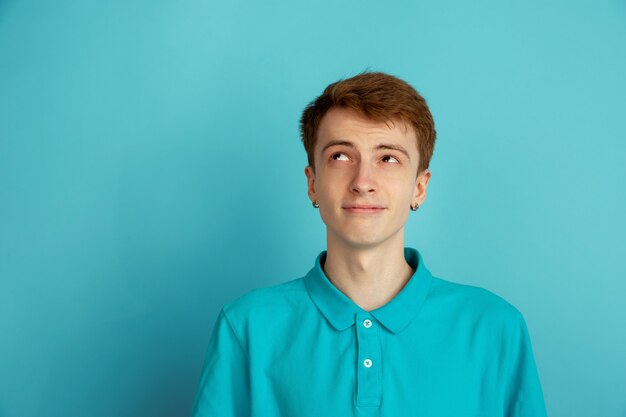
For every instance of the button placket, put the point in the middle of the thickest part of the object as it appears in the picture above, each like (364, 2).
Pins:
(368, 363)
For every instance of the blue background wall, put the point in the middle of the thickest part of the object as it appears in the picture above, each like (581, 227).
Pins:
(151, 170)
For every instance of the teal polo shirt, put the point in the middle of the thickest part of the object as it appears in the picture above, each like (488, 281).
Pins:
(303, 348)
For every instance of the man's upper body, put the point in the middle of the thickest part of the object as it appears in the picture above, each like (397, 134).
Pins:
(304, 349)
(369, 331)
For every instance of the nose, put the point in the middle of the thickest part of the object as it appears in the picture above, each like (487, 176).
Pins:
(363, 180)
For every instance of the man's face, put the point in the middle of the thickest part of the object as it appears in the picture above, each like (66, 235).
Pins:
(362, 171)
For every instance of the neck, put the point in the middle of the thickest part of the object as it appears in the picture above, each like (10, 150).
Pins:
(369, 276)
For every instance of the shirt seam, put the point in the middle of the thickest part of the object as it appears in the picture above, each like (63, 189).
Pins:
(232, 329)
(513, 368)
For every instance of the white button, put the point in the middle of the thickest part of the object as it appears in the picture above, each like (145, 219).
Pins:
(367, 363)
(367, 323)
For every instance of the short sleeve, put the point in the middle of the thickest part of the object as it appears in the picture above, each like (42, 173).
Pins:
(224, 384)
(523, 394)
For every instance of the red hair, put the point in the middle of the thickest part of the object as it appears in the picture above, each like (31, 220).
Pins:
(380, 97)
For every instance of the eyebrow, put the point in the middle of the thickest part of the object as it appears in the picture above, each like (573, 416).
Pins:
(391, 146)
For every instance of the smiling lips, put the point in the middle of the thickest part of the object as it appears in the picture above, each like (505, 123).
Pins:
(356, 208)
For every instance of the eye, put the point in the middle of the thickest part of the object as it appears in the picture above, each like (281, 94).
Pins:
(391, 156)
(336, 153)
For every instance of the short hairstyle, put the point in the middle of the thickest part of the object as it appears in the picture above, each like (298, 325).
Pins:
(379, 97)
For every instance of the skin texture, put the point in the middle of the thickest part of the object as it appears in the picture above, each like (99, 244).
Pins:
(365, 258)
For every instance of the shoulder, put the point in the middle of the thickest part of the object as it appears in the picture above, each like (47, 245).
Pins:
(267, 301)
(474, 303)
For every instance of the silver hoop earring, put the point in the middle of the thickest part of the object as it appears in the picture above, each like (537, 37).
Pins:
(416, 207)
(316, 204)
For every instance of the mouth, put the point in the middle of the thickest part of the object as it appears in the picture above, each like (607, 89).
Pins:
(363, 209)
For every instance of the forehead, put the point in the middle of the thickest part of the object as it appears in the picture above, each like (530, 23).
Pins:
(346, 124)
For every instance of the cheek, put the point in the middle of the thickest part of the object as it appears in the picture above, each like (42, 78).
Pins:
(404, 192)
(324, 193)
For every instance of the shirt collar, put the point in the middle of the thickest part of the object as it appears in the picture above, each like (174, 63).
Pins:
(396, 315)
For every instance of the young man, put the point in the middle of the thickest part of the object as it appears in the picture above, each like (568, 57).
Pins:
(368, 331)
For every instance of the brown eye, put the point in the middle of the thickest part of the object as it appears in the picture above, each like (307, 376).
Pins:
(336, 153)
(391, 156)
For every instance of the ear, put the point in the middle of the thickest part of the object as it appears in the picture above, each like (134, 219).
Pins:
(421, 183)
(310, 175)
